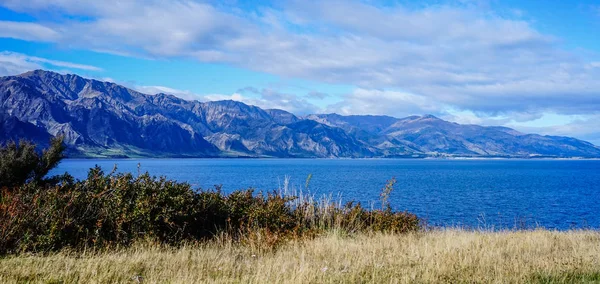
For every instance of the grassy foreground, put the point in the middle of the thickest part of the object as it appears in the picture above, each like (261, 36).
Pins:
(430, 257)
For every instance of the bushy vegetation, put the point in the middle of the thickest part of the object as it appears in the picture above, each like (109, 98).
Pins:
(109, 210)
(21, 163)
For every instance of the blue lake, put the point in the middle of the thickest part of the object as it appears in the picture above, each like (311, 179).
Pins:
(490, 194)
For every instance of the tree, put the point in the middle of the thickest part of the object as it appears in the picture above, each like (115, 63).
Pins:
(21, 163)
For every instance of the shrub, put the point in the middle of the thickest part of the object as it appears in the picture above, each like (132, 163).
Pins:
(20, 162)
(111, 209)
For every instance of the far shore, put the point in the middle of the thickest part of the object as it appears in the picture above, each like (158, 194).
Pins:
(321, 158)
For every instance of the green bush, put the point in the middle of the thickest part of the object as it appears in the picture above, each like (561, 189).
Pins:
(20, 162)
(106, 210)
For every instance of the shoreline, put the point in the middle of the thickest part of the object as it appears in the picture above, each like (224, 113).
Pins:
(312, 158)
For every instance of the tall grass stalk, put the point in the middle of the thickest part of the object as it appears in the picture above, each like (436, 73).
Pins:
(440, 256)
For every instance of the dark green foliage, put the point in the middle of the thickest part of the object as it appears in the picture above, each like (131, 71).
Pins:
(108, 210)
(20, 162)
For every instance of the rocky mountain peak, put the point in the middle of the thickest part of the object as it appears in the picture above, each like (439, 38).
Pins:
(105, 119)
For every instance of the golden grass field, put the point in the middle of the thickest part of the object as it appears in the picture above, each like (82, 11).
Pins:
(440, 256)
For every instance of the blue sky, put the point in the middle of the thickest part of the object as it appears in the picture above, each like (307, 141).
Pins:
(530, 65)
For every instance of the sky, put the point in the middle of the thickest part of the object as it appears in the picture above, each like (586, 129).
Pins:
(530, 65)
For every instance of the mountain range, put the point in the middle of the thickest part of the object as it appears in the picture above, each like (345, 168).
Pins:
(103, 119)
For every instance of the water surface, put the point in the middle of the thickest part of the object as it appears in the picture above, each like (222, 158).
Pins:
(555, 194)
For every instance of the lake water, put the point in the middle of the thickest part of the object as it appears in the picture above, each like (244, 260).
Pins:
(491, 194)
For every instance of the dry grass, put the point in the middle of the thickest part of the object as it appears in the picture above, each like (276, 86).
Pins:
(430, 257)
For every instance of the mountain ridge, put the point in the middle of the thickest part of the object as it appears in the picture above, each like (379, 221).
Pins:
(104, 119)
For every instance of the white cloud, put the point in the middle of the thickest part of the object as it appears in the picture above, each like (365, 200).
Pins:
(586, 128)
(221, 97)
(12, 63)
(27, 31)
(269, 99)
(64, 64)
(316, 95)
(152, 90)
(393, 103)
(264, 98)
(512, 119)
(594, 64)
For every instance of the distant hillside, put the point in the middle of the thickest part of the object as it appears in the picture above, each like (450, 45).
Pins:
(433, 136)
(102, 119)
